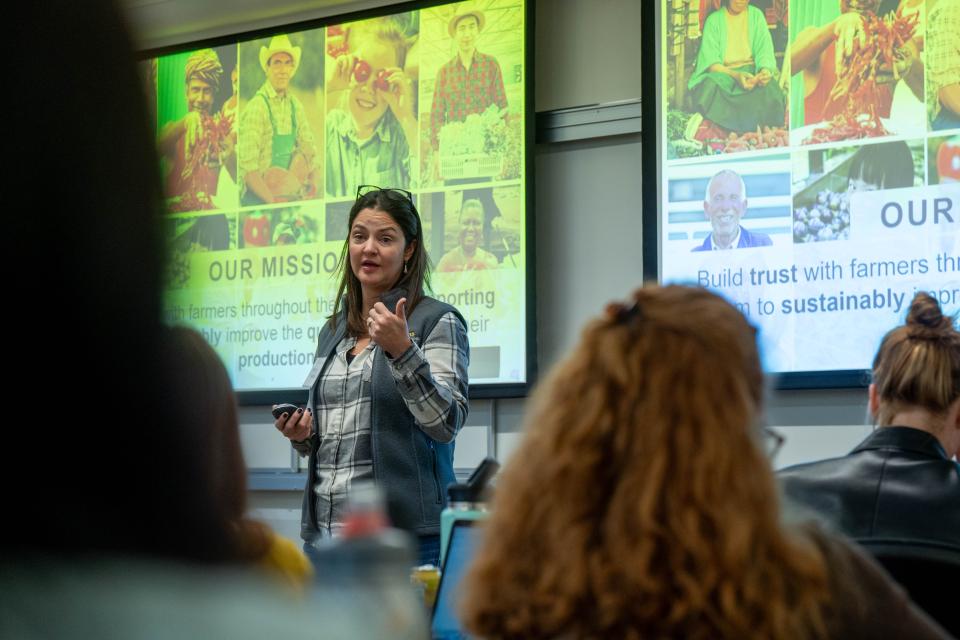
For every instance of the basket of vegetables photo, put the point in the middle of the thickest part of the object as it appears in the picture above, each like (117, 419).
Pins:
(475, 147)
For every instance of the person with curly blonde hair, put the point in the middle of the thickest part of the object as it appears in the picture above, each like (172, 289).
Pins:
(640, 503)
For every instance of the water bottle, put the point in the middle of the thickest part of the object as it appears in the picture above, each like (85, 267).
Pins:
(364, 573)
(466, 501)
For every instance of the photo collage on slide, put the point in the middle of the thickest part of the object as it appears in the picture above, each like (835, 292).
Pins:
(264, 144)
(798, 110)
(804, 112)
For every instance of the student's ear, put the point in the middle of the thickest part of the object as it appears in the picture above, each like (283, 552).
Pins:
(873, 401)
(953, 414)
(409, 250)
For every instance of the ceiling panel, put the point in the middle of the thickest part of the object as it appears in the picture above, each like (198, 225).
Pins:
(162, 23)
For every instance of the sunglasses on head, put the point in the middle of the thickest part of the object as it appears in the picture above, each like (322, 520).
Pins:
(366, 189)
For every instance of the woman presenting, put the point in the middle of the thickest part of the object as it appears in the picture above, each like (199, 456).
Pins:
(732, 82)
(388, 390)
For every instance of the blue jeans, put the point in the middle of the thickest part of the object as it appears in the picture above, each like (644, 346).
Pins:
(428, 550)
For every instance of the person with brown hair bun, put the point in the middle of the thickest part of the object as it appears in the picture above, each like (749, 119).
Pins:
(640, 503)
(900, 482)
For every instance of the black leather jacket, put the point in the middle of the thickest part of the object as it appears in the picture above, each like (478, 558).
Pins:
(898, 484)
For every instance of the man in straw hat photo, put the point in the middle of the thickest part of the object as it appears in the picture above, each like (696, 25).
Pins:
(277, 146)
(471, 81)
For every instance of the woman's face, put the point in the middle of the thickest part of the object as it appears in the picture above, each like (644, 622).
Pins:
(377, 251)
(737, 6)
(471, 228)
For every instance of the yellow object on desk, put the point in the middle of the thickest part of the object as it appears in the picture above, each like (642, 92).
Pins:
(426, 579)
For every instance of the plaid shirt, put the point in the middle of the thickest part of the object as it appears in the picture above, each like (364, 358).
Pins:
(942, 51)
(384, 158)
(255, 144)
(430, 379)
(458, 91)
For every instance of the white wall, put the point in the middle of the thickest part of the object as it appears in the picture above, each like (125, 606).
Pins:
(587, 52)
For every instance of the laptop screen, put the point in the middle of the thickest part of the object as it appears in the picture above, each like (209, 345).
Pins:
(460, 551)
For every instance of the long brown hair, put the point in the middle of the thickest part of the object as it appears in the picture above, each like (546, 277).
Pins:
(640, 503)
(416, 274)
(205, 397)
(918, 363)
(139, 500)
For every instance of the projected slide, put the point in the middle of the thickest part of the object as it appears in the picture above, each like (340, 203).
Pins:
(809, 160)
(264, 143)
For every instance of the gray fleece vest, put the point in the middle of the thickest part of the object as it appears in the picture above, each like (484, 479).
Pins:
(412, 469)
